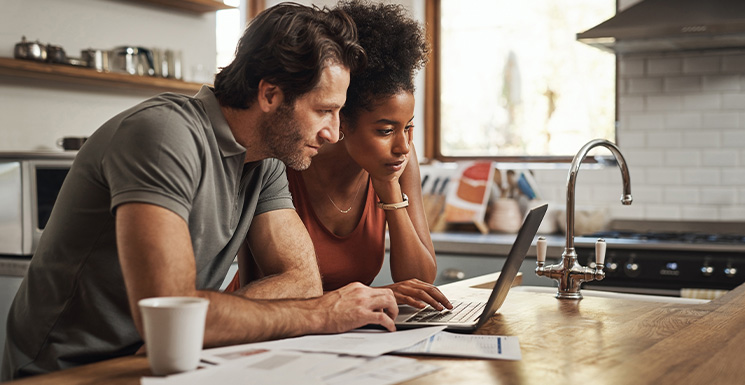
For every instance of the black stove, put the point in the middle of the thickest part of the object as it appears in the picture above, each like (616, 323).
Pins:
(666, 262)
(672, 237)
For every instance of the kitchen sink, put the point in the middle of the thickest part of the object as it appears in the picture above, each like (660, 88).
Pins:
(607, 294)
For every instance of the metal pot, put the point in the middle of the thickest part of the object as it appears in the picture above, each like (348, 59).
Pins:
(132, 60)
(30, 50)
(55, 54)
(96, 58)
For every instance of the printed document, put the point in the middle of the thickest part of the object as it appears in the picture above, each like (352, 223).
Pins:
(366, 343)
(472, 346)
(287, 367)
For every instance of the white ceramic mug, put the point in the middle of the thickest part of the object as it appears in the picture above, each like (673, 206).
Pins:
(174, 332)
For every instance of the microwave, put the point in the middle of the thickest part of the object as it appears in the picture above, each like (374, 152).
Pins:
(29, 185)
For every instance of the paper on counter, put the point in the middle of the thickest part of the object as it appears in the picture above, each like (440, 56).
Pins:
(287, 367)
(259, 367)
(364, 343)
(384, 370)
(472, 346)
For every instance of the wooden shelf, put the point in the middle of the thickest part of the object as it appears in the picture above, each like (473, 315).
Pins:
(90, 77)
(195, 6)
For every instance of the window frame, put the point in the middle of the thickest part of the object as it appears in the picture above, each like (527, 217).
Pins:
(432, 127)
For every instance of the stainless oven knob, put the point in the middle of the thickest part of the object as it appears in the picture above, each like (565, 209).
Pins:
(730, 271)
(611, 267)
(632, 269)
(707, 270)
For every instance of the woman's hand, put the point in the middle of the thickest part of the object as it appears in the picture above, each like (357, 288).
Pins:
(419, 294)
(385, 180)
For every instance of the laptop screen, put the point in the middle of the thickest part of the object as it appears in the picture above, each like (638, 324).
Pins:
(515, 258)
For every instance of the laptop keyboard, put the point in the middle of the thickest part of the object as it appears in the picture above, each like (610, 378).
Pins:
(461, 312)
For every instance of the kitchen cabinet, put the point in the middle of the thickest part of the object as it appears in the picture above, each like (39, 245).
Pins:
(60, 73)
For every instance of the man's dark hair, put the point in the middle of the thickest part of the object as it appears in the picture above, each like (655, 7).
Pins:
(396, 49)
(288, 45)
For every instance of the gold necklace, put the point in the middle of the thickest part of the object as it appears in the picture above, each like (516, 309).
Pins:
(359, 185)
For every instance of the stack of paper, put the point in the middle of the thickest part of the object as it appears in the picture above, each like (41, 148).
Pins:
(354, 357)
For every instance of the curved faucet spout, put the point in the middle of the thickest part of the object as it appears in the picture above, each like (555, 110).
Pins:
(626, 198)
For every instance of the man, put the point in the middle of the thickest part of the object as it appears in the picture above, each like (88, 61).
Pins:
(162, 196)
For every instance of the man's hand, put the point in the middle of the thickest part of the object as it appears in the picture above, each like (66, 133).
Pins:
(419, 294)
(356, 305)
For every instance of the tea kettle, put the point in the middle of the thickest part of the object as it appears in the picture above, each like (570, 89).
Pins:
(132, 60)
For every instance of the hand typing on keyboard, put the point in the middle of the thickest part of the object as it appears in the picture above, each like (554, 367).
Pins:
(460, 312)
(419, 294)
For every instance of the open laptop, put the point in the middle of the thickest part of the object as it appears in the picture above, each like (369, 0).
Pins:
(469, 316)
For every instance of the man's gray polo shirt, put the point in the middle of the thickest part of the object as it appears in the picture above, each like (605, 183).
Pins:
(173, 151)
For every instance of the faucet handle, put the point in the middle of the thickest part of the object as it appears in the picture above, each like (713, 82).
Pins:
(600, 247)
(541, 247)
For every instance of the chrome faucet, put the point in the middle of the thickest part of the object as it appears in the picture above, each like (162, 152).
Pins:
(568, 271)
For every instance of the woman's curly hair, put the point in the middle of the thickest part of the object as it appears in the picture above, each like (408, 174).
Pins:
(396, 49)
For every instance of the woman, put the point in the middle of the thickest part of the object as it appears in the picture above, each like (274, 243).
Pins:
(370, 177)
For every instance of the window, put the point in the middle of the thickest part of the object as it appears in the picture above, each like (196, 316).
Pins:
(229, 28)
(513, 81)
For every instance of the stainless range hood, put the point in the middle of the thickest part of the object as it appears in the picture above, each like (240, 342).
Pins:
(671, 25)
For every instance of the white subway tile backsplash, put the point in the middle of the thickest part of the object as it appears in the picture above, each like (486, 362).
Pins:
(701, 176)
(682, 158)
(631, 67)
(631, 103)
(550, 176)
(702, 102)
(664, 66)
(641, 157)
(719, 195)
(732, 213)
(733, 177)
(664, 139)
(683, 84)
(633, 211)
(683, 120)
(682, 131)
(681, 195)
(702, 64)
(645, 121)
(702, 139)
(733, 101)
(700, 213)
(644, 85)
(622, 87)
(721, 83)
(661, 176)
(720, 157)
(641, 193)
(595, 176)
(628, 139)
(662, 212)
(664, 103)
(722, 119)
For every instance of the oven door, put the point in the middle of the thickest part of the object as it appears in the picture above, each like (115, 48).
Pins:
(12, 216)
(29, 189)
(45, 181)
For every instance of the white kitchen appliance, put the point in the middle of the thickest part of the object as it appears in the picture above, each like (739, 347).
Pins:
(29, 184)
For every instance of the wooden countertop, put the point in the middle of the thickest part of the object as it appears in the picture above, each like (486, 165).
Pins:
(593, 341)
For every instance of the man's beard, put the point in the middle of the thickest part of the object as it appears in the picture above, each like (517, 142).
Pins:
(283, 137)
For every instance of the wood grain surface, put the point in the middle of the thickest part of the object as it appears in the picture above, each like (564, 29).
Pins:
(590, 341)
